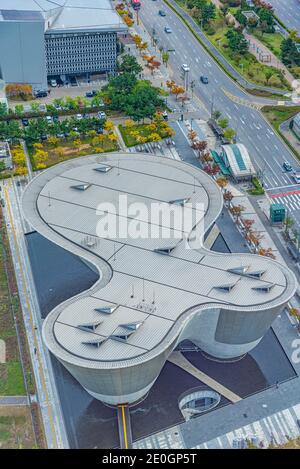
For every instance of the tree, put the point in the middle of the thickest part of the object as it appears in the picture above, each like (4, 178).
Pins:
(237, 210)
(289, 53)
(77, 143)
(236, 42)
(288, 223)
(222, 182)
(3, 109)
(223, 123)
(53, 140)
(227, 196)
(229, 133)
(268, 252)
(247, 225)
(109, 126)
(19, 109)
(199, 146)
(216, 115)
(165, 58)
(129, 64)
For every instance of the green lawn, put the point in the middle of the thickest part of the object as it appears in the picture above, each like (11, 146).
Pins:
(276, 115)
(271, 40)
(11, 376)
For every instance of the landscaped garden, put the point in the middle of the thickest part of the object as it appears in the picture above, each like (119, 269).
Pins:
(55, 150)
(16, 428)
(218, 25)
(135, 134)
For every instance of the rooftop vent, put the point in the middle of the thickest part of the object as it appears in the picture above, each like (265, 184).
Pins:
(106, 309)
(103, 169)
(239, 270)
(179, 201)
(264, 288)
(90, 326)
(94, 342)
(81, 187)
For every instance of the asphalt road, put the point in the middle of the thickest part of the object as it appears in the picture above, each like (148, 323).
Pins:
(288, 11)
(266, 149)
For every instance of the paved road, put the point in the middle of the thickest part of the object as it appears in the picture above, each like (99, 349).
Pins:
(288, 11)
(265, 147)
(14, 400)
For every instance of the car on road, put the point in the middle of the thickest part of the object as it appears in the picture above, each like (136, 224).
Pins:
(204, 79)
(287, 167)
(101, 115)
(53, 83)
(168, 30)
(49, 119)
(44, 137)
(60, 135)
(165, 116)
(78, 117)
(185, 67)
(296, 177)
(91, 94)
(55, 119)
(162, 13)
(99, 131)
(25, 122)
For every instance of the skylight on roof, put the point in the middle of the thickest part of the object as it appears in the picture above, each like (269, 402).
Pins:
(256, 274)
(226, 288)
(91, 326)
(179, 201)
(106, 309)
(165, 250)
(94, 342)
(132, 326)
(264, 288)
(239, 270)
(81, 187)
(103, 169)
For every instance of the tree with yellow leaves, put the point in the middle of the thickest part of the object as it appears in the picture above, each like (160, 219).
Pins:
(109, 126)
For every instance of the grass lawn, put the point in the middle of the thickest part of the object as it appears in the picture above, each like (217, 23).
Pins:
(11, 377)
(16, 428)
(271, 40)
(276, 115)
(69, 151)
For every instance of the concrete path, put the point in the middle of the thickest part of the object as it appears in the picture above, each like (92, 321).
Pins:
(14, 400)
(178, 359)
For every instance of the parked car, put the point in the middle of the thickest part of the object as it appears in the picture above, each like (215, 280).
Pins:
(41, 94)
(55, 119)
(91, 94)
(162, 13)
(53, 83)
(60, 135)
(25, 122)
(44, 137)
(287, 167)
(165, 116)
(49, 119)
(99, 131)
(168, 30)
(42, 107)
(101, 115)
(204, 79)
(79, 116)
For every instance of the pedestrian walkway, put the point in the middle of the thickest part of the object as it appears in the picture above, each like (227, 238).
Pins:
(178, 359)
(14, 400)
(259, 50)
(275, 429)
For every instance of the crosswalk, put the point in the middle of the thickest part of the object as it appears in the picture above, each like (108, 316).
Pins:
(290, 200)
(275, 429)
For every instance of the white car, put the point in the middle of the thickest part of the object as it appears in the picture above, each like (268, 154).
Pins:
(101, 115)
(49, 119)
(53, 83)
(78, 117)
(296, 177)
(185, 67)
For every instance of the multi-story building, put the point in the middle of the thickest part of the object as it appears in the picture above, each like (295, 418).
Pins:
(158, 285)
(40, 39)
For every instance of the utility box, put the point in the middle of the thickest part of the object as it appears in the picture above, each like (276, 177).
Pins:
(277, 213)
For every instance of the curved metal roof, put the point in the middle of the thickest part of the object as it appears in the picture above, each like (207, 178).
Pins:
(139, 285)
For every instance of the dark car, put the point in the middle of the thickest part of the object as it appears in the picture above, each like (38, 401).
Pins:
(44, 137)
(25, 122)
(55, 119)
(162, 13)
(41, 94)
(99, 131)
(287, 167)
(89, 94)
(204, 79)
